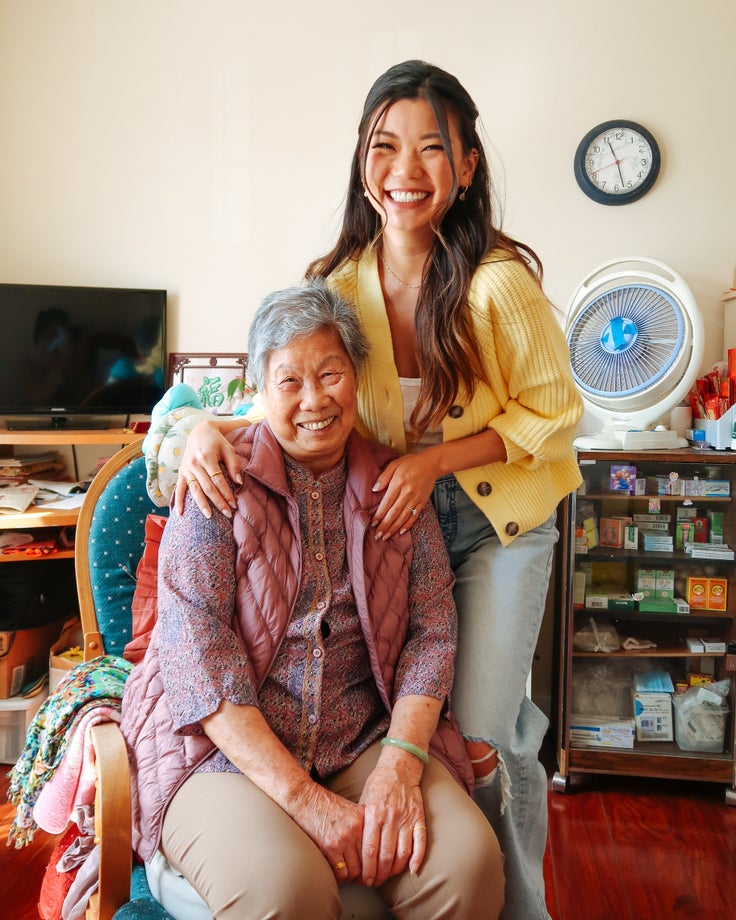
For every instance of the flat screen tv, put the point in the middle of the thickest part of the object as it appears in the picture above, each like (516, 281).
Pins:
(68, 354)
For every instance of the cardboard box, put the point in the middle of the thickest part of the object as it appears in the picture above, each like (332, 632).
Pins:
(717, 594)
(578, 589)
(697, 593)
(25, 655)
(646, 582)
(653, 716)
(700, 525)
(623, 478)
(611, 532)
(715, 526)
(717, 488)
(684, 533)
(665, 584)
(713, 646)
(601, 732)
(657, 605)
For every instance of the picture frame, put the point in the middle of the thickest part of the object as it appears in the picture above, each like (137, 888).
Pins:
(218, 379)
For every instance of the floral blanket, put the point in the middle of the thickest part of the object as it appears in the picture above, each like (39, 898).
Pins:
(98, 682)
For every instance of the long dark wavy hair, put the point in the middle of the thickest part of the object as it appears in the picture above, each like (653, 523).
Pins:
(448, 354)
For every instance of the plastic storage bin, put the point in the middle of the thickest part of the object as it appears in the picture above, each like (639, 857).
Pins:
(16, 714)
(701, 728)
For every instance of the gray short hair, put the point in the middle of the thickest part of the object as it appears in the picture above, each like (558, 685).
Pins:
(298, 312)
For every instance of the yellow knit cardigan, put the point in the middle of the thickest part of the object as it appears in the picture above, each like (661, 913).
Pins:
(531, 402)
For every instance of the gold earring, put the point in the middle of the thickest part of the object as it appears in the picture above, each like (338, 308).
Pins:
(464, 191)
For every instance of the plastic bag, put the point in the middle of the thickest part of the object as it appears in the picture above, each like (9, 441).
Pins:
(598, 636)
(700, 717)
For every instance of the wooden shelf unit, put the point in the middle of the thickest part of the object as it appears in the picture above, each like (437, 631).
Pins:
(46, 516)
(651, 759)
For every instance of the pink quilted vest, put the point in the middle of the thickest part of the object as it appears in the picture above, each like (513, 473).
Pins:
(161, 760)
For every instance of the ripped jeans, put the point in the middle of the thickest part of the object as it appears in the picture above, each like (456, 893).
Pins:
(500, 594)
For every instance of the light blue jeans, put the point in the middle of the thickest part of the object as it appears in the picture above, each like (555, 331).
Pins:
(500, 594)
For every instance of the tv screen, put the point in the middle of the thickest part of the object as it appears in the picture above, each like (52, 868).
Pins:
(68, 351)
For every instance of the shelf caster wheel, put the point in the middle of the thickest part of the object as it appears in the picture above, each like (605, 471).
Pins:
(561, 783)
(730, 797)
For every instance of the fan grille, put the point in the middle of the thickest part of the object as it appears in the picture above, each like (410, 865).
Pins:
(626, 341)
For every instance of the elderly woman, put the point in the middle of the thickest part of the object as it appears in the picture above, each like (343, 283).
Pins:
(288, 728)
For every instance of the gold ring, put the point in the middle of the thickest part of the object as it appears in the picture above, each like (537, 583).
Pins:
(420, 827)
(216, 473)
(413, 510)
(341, 865)
(190, 481)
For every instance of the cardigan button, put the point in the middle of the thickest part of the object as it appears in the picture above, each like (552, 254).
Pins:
(512, 528)
(456, 411)
(484, 488)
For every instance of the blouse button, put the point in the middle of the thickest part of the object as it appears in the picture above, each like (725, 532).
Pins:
(319, 556)
(314, 495)
(484, 488)
(321, 605)
(512, 529)
(312, 718)
(456, 411)
(317, 653)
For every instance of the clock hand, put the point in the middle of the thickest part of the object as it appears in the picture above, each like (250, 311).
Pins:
(618, 163)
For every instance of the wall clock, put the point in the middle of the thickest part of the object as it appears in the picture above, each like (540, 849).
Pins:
(617, 162)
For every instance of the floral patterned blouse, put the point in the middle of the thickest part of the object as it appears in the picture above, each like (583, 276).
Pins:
(320, 697)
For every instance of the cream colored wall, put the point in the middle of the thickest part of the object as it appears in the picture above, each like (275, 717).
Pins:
(204, 147)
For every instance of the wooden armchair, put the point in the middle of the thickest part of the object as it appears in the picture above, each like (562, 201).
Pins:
(109, 544)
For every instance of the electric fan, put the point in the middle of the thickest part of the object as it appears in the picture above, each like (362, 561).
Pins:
(636, 342)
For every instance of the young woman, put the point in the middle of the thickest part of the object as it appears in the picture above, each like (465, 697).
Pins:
(468, 378)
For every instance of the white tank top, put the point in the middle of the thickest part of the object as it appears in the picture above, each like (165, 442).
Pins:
(409, 393)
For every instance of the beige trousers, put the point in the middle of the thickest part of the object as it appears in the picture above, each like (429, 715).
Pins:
(250, 861)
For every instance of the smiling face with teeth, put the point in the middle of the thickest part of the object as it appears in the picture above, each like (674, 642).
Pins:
(310, 399)
(408, 175)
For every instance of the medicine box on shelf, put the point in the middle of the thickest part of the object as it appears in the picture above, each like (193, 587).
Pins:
(16, 715)
(601, 732)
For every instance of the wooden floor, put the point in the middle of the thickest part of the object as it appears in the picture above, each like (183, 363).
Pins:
(619, 849)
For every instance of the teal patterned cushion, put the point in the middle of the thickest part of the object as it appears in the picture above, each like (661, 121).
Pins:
(116, 540)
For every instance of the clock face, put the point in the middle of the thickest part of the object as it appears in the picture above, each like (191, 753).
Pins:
(617, 162)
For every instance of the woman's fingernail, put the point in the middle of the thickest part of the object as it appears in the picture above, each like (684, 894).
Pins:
(376, 487)
(379, 535)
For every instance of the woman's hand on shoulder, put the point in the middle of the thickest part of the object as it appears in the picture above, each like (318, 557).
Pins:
(201, 473)
(407, 484)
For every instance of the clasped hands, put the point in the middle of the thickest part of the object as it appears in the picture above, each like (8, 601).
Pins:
(376, 838)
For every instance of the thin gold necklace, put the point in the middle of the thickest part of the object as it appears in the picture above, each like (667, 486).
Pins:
(396, 277)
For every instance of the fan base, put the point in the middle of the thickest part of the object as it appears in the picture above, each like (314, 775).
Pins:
(610, 439)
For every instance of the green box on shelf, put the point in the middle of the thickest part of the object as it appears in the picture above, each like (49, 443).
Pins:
(657, 605)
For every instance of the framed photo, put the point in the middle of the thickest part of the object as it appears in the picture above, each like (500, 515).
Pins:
(218, 380)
